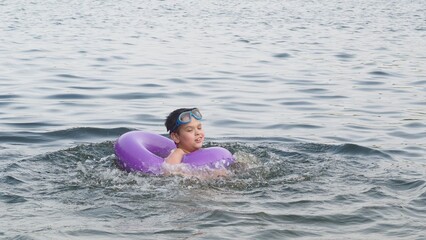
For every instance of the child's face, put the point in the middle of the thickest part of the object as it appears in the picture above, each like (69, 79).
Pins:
(190, 136)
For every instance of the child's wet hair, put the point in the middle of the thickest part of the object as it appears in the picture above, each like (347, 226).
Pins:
(171, 120)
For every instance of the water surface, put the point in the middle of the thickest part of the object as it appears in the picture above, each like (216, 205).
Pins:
(321, 103)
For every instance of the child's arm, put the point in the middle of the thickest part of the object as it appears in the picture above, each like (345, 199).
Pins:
(175, 157)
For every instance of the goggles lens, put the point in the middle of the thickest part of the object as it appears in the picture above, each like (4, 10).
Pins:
(185, 117)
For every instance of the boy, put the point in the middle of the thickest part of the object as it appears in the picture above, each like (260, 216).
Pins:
(186, 131)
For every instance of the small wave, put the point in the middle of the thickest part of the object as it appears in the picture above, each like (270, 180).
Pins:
(9, 96)
(353, 149)
(138, 95)
(11, 180)
(82, 133)
(405, 184)
(11, 198)
(345, 56)
(31, 124)
(73, 96)
(85, 132)
(380, 73)
(68, 76)
(282, 55)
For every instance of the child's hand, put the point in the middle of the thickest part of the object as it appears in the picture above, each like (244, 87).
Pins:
(176, 156)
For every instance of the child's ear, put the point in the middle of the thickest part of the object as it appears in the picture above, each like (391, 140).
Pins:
(175, 137)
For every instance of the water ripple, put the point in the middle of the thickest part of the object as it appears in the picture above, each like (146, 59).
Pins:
(10, 180)
(144, 95)
(87, 176)
(70, 96)
(353, 149)
(282, 55)
(323, 110)
(11, 198)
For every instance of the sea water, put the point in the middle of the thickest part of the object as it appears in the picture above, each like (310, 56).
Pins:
(321, 102)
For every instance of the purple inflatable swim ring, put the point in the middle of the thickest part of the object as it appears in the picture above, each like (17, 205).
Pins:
(145, 152)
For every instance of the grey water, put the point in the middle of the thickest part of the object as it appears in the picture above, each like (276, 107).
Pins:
(322, 103)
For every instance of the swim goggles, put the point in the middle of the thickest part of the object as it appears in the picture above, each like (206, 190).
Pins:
(185, 117)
